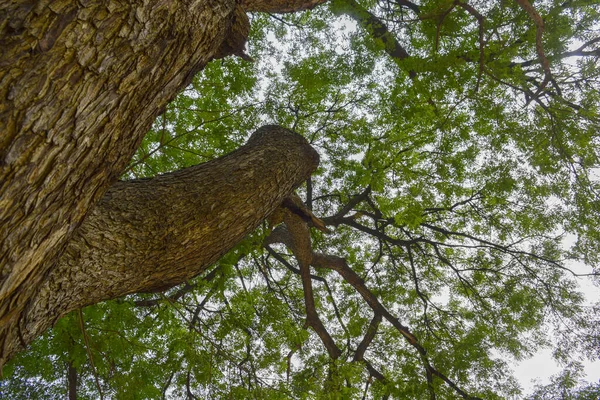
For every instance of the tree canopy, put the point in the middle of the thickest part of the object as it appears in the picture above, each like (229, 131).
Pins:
(567, 385)
(458, 192)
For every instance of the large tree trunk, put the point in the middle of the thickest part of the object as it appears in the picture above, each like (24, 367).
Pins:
(151, 234)
(80, 84)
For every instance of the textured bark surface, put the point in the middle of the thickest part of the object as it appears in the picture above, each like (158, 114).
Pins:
(80, 84)
(280, 6)
(154, 233)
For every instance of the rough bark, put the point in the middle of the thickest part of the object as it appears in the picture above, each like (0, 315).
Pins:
(80, 84)
(280, 6)
(151, 234)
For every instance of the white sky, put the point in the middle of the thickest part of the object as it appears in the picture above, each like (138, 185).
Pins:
(542, 366)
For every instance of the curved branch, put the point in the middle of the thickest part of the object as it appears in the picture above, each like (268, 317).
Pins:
(368, 338)
(539, 45)
(409, 4)
(339, 265)
(301, 247)
(298, 240)
(376, 28)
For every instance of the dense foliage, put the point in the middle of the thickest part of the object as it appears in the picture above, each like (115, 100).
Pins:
(459, 154)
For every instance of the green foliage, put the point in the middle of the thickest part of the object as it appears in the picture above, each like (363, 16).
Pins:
(476, 175)
(567, 385)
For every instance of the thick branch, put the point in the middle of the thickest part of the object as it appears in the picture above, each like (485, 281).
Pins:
(82, 83)
(151, 234)
(280, 6)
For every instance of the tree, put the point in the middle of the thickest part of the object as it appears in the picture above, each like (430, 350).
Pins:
(80, 87)
(458, 149)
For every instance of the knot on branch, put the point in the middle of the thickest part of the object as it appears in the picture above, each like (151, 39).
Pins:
(235, 40)
(295, 205)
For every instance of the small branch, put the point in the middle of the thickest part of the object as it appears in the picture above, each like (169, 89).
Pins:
(178, 294)
(280, 7)
(374, 372)
(354, 201)
(376, 28)
(503, 248)
(171, 299)
(579, 52)
(167, 142)
(349, 221)
(301, 247)
(440, 21)
(290, 267)
(72, 381)
(366, 388)
(480, 21)
(188, 388)
(309, 193)
(475, 196)
(408, 4)
(368, 338)
(167, 384)
(529, 95)
(539, 45)
(89, 352)
(201, 305)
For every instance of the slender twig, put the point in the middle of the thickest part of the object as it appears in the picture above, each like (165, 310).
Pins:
(368, 338)
(480, 21)
(89, 352)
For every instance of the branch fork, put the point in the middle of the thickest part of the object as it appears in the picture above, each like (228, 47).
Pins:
(295, 234)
